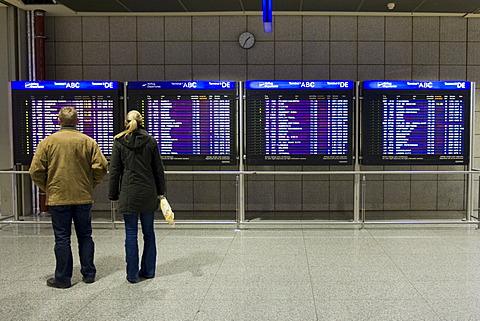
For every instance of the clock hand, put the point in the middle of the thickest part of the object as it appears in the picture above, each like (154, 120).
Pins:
(246, 41)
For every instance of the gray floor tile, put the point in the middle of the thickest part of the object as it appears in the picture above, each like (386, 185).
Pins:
(445, 290)
(251, 310)
(364, 290)
(254, 274)
(172, 260)
(470, 245)
(370, 310)
(342, 273)
(267, 246)
(461, 231)
(436, 273)
(196, 232)
(364, 259)
(435, 268)
(465, 309)
(270, 231)
(144, 308)
(402, 231)
(108, 266)
(336, 232)
(258, 273)
(13, 273)
(432, 259)
(412, 245)
(258, 291)
(26, 229)
(23, 259)
(270, 260)
(191, 244)
(44, 309)
(154, 289)
(33, 290)
(342, 246)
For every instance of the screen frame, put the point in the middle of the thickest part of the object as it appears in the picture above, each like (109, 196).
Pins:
(193, 87)
(22, 88)
(303, 87)
(377, 87)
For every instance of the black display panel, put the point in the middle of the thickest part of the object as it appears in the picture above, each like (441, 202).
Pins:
(416, 122)
(194, 122)
(35, 107)
(299, 122)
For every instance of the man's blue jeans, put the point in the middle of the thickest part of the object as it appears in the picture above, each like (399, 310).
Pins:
(149, 256)
(62, 217)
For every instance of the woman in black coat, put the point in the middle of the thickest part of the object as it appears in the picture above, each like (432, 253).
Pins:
(137, 181)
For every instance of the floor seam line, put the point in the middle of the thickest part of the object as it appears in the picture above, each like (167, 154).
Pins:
(213, 279)
(408, 279)
(310, 274)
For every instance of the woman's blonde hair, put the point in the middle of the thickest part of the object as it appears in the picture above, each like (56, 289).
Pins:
(134, 119)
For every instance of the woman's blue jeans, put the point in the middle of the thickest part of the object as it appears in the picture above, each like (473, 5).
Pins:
(149, 256)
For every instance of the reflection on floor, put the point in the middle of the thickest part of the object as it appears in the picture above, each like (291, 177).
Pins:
(400, 272)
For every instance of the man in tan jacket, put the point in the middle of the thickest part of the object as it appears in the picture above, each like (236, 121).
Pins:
(68, 165)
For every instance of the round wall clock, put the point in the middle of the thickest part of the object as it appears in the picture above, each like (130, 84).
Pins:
(246, 40)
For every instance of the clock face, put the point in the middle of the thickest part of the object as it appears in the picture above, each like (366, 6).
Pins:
(246, 40)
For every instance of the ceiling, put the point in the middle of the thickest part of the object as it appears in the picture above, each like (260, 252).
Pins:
(460, 7)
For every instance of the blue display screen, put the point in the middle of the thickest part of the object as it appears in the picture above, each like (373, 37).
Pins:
(64, 85)
(416, 85)
(413, 125)
(182, 85)
(298, 84)
(290, 124)
(193, 124)
(35, 113)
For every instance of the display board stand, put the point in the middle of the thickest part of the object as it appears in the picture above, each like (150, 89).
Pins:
(359, 190)
(240, 217)
(241, 160)
(356, 190)
(472, 153)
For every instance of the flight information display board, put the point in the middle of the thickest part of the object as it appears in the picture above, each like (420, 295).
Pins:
(416, 122)
(299, 122)
(194, 122)
(35, 106)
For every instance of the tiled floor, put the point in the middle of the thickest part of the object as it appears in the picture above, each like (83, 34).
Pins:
(427, 272)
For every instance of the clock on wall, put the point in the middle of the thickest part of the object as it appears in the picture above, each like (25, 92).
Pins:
(246, 40)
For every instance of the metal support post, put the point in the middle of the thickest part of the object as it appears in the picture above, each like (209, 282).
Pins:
(478, 205)
(112, 214)
(241, 160)
(469, 197)
(15, 197)
(364, 192)
(356, 198)
(356, 186)
(469, 206)
(241, 217)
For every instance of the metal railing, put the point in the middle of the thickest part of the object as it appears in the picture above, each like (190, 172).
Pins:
(359, 215)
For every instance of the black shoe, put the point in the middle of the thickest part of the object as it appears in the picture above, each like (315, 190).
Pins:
(59, 285)
(89, 279)
(140, 275)
(133, 281)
